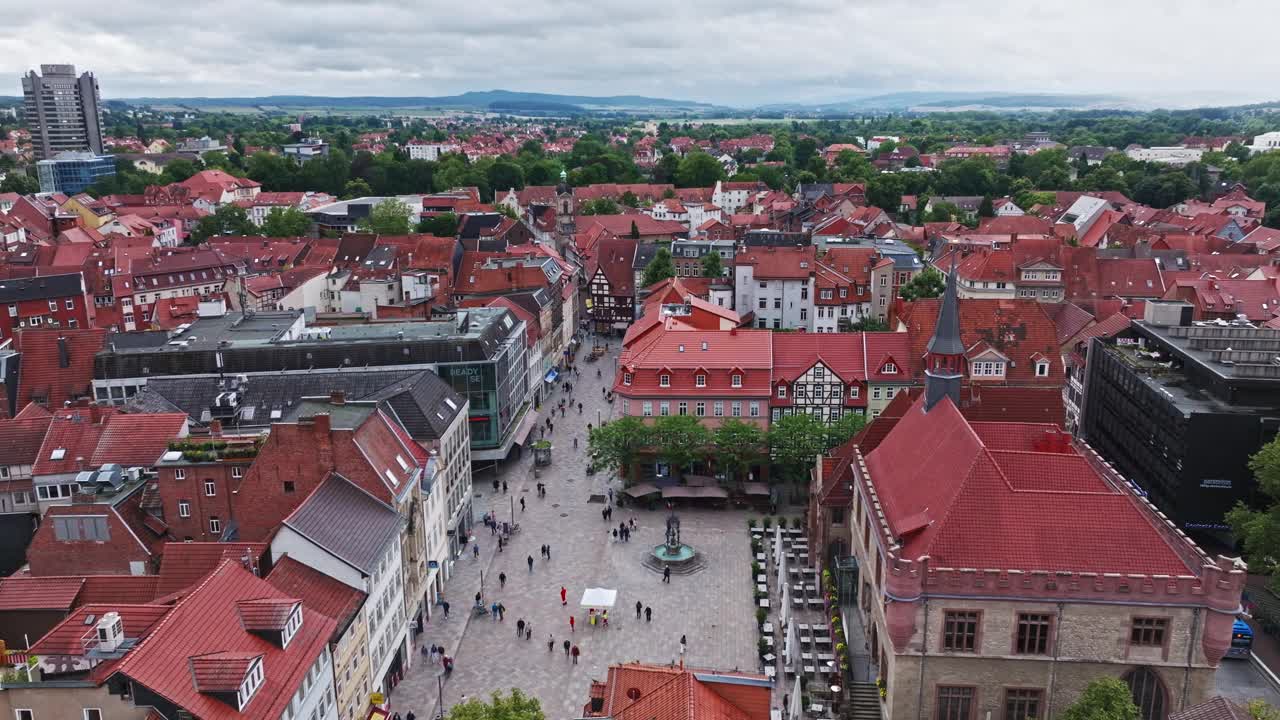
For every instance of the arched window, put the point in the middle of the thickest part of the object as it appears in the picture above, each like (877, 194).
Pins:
(1148, 692)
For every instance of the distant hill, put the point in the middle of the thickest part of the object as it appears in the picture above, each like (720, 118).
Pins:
(495, 100)
(892, 102)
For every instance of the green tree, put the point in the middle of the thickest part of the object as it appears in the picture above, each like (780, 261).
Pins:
(20, 183)
(177, 171)
(616, 445)
(698, 169)
(805, 150)
(389, 217)
(870, 324)
(1259, 709)
(505, 175)
(1259, 530)
(659, 268)
(680, 440)
(286, 222)
(515, 706)
(943, 212)
(226, 220)
(928, 284)
(630, 200)
(442, 225)
(840, 431)
(985, 208)
(356, 188)
(739, 445)
(600, 206)
(795, 441)
(1103, 699)
(635, 231)
(885, 191)
(712, 265)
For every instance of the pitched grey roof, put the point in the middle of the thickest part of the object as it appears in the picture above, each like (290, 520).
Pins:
(348, 522)
(946, 334)
(424, 404)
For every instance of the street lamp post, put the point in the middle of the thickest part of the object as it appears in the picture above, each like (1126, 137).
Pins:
(440, 688)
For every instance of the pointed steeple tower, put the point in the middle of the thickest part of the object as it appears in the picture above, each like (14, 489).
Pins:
(944, 359)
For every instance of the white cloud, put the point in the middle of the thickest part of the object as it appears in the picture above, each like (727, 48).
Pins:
(725, 51)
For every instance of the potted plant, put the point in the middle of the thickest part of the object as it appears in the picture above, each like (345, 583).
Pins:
(763, 647)
(768, 522)
(762, 616)
(751, 523)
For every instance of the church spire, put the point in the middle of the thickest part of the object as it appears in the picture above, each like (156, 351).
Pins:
(944, 359)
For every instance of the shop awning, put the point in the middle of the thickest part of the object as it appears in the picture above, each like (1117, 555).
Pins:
(552, 374)
(526, 427)
(642, 489)
(755, 488)
(680, 491)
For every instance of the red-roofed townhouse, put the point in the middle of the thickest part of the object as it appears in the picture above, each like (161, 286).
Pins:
(1257, 301)
(236, 647)
(777, 285)
(175, 273)
(1006, 342)
(1028, 268)
(841, 299)
(75, 658)
(57, 301)
(95, 539)
(195, 484)
(733, 196)
(217, 187)
(819, 375)
(20, 441)
(349, 643)
(611, 284)
(955, 529)
(708, 374)
(636, 691)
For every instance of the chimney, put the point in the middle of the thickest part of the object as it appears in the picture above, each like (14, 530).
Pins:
(337, 397)
(215, 428)
(64, 353)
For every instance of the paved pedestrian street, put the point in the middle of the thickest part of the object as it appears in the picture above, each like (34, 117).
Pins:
(713, 608)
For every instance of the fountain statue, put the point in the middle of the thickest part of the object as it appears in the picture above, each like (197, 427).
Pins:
(673, 554)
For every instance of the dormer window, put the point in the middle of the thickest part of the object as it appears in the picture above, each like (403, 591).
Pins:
(889, 369)
(626, 378)
(853, 392)
(782, 391)
(664, 380)
(1042, 368)
(986, 369)
(291, 627)
(700, 380)
(735, 381)
(252, 681)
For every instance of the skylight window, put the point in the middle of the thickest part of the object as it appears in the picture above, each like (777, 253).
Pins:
(58, 454)
(391, 476)
(403, 465)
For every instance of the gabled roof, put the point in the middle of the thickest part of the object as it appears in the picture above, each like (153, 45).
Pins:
(1002, 495)
(652, 692)
(346, 521)
(15, 290)
(1017, 328)
(57, 365)
(137, 439)
(137, 621)
(39, 593)
(183, 565)
(21, 437)
(332, 598)
(205, 624)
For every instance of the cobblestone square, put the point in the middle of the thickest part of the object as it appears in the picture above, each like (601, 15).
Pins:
(714, 608)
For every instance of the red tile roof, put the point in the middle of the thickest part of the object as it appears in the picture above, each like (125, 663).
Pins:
(615, 257)
(184, 565)
(39, 593)
(205, 624)
(68, 637)
(1016, 328)
(21, 437)
(42, 374)
(779, 263)
(329, 597)
(947, 494)
(653, 692)
(138, 439)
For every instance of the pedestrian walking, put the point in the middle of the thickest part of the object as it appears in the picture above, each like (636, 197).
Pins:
(530, 563)
(648, 614)
(571, 623)
(566, 648)
(475, 551)
(639, 607)
(435, 652)
(683, 642)
(519, 628)
(528, 631)
(499, 543)
(615, 534)
(548, 553)
(579, 408)
(575, 443)
(633, 522)
(521, 504)
(495, 484)
(502, 580)
(604, 514)
(563, 595)
(410, 716)
(551, 642)
(493, 611)
(666, 573)
(502, 611)
(478, 599)
(575, 653)
(610, 496)
(504, 486)
(444, 605)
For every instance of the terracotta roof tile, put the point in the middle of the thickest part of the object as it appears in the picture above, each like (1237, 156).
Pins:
(184, 565)
(37, 593)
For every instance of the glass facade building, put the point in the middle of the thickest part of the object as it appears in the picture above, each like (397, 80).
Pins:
(72, 173)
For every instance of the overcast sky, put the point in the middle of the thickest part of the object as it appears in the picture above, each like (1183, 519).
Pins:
(742, 52)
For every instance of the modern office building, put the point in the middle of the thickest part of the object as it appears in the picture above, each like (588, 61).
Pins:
(1178, 407)
(479, 352)
(61, 111)
(71, 173)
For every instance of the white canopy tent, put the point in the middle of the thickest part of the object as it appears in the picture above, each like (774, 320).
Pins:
(599, 598)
